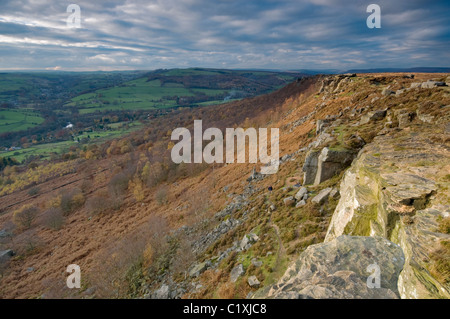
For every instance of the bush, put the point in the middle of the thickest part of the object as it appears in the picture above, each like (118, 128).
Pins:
(95, 205)
(137, 188)
(33, 191)
(71, 201)
(29, 243)
(99, 204)
(118, 184)
(117, 272)
(161, 195)
(24, 217)
(86, 185)
(53, 218)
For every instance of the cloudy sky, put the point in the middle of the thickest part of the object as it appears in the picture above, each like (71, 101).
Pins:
(269, 34)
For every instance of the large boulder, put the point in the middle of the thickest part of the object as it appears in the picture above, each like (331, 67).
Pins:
(310, 167)
(346, 268)
(331, 162)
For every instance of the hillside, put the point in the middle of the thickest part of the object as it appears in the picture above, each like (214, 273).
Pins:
(363, 179)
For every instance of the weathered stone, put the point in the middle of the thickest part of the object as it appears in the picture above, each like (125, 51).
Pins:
(322, 197)
(248, 241)
(334, 193)
(387, 92)
(5, 255)
(198, 269)
(321, 124)
(162, 293)
(236, 272)
(322, 140)
(373, 116)
(431, 84)
(427, 118)
(289, 201)
(257, 263)
(300, 204)
(253, 282)
(340, 269)
(272, 207)
(375, 199)
(310, 167)
(301, 193)
(330, 162)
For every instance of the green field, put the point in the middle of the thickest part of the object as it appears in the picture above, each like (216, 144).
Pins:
(137, 95)
(18, 119)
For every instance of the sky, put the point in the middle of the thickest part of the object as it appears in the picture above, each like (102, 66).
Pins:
(251, 34)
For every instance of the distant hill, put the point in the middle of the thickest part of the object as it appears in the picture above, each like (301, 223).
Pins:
(375, 70)
(412, 70)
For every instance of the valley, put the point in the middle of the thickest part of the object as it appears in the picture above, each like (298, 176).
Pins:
(43, 115)
(363, 177)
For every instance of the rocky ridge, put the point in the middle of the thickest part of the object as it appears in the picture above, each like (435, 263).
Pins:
(394, 192)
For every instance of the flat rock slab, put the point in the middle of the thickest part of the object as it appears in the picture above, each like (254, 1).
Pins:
(322, 197)
(342, 269)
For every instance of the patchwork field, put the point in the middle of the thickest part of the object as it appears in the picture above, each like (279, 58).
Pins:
(36, 108)
(18, 120)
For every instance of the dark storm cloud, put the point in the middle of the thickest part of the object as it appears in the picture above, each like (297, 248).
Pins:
(223, 33)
